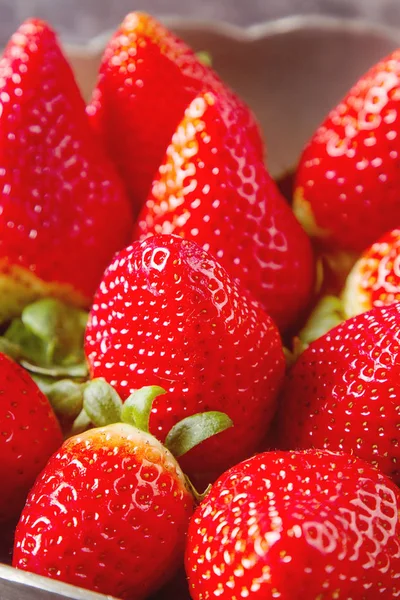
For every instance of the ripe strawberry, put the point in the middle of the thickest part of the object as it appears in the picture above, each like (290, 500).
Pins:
(109, 513)
(123, 532)
(147, 79)
(348, 177)
(343, 392)
(167, 313)
(30, 433)
(375, 278)
(213, 188)
(63, 212)
(297, 525)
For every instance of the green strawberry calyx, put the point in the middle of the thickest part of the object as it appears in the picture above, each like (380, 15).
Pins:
(103, 406)
(47, 340)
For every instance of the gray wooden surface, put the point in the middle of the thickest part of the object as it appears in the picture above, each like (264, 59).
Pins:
(77, 20)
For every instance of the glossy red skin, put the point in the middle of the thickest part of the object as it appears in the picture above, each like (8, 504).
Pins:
(63, 210)
(213, 188)
(147, 78)
(343, 392)
(349, 172)
(297, 525)
(30, 433)
(375, 278)
(168, 314)
(109, 513)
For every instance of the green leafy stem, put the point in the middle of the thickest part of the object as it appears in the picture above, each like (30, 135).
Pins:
(47, 340)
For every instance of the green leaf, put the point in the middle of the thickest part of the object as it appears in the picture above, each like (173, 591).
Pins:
(194, 430)
(43, 383)
(32, 348)
(59, 326)
(79, 371)
(48, 339)
(137, 408)
(101, 403)
(66, 398)
(11, 349)
(81, 423)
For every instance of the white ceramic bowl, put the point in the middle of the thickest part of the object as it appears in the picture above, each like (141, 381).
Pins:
(291, 72)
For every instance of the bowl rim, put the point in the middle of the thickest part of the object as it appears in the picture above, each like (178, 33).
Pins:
(252, 33)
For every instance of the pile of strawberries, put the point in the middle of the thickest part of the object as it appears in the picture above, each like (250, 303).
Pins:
(231, 404)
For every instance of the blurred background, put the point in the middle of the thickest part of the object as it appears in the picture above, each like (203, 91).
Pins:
(77, 20)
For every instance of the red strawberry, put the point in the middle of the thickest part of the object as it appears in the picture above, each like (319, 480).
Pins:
(109, 513)
(30, 433)
(297, 525)
(348, 177)
(375, 278)
(343, 392)
(63, 212)
(167, 313)
(214, 188)
(147, 79)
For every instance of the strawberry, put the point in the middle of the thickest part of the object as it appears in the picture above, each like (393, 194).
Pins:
(213, 188)
(347, 180)
(343, 392)
(111, 509)
(375, 278)
(147, 79)
(168, 314)
(63, 212)
(30, 433)
(296, 525)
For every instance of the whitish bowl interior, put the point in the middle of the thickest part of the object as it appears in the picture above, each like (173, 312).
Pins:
(291, 72)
